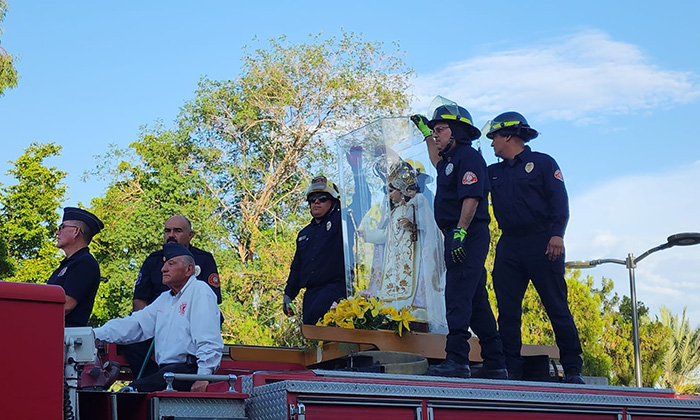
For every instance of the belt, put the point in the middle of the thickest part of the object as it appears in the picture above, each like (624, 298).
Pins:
(189, 360)
(448, 230)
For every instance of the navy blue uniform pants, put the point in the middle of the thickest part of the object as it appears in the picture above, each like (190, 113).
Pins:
(467, 302)
(318, 300)
(520, 259)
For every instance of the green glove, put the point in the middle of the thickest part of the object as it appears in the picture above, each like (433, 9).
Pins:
(287, 306)
(457, 250)
(422, 123)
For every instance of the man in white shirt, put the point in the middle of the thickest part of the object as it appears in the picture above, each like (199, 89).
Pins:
(184, 323)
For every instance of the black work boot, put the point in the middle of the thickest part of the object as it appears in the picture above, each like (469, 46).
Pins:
(450, 368)
(490, 373)
(573, 378)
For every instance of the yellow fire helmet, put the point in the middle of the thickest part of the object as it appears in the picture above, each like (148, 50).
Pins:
(319, 184)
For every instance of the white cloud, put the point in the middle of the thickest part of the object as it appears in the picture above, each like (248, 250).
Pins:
(636, 213)
(584, 74)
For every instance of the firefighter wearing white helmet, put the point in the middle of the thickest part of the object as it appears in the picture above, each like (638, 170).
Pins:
(318, 263)
(461, 212)
(532, 209)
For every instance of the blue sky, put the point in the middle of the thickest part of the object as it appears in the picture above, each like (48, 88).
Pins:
(613, 86)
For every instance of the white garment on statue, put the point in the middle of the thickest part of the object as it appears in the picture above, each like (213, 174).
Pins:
(183, 324)
(412, 273)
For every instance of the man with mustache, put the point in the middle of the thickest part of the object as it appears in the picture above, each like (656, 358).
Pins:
(149, 283)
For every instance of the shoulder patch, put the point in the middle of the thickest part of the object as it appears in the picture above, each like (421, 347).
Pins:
(469, 178)
(558, 175)
(63, 272)
(301, 238)
(213, 280)
(138, 278)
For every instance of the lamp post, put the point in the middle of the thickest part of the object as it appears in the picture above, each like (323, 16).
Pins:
(679, 239)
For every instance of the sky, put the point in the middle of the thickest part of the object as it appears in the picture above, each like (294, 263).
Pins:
(613, 87)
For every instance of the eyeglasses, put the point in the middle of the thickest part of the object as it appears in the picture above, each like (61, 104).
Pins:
(320, 198)
(63, 226)
(438, 130)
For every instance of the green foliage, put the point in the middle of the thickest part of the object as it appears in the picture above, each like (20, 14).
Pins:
(6, 268)
(681, 361)
(28, 214)
(8, 73)
(150, 182)
(272, 124)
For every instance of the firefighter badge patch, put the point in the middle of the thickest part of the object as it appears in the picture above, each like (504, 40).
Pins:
(558, 175)
(328, 226)
(469, 178)
(529, 167)
(182, 308)
(449, 168)
(213, 280)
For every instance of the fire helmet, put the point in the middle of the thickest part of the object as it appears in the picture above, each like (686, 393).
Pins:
(512, 123)
(459, 119)
(319, 184)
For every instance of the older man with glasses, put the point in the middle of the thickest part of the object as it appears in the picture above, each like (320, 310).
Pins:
(79, 273)
(318, 263)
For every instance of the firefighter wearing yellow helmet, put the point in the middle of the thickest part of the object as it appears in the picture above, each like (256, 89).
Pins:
(318, 263)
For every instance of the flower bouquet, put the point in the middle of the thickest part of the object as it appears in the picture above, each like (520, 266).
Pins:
(364, 313)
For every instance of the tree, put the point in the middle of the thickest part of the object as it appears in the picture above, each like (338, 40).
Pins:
(682, 359)
(272, 124)
(28, 215)
(6, 268)
(8, 73)
(151, 181)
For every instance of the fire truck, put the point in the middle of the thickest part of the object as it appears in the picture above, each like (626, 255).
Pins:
(52, 372)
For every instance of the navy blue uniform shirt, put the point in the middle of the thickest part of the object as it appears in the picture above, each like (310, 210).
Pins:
(528, 194)
(461, 173)
(149, 284)
(318, 259)
(79, 276)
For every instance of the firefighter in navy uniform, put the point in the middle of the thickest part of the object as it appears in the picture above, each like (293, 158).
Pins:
(531, 206)
(318, 263)
(461, 212)
(79, 272)
(149, 285)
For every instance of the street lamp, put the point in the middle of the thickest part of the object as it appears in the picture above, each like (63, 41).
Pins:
(679, 239)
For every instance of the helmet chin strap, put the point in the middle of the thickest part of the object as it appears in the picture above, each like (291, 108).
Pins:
(447, 148)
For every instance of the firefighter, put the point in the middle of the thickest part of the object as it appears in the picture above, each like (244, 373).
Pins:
(183, 321)
(318, 263)
(149, 285)
(531, 206)
(79, 272)
(461, 212)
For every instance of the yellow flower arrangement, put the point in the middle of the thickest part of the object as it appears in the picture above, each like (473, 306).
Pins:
(362, 313)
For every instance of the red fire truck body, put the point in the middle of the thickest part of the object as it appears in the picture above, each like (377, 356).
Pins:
(35, 352)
